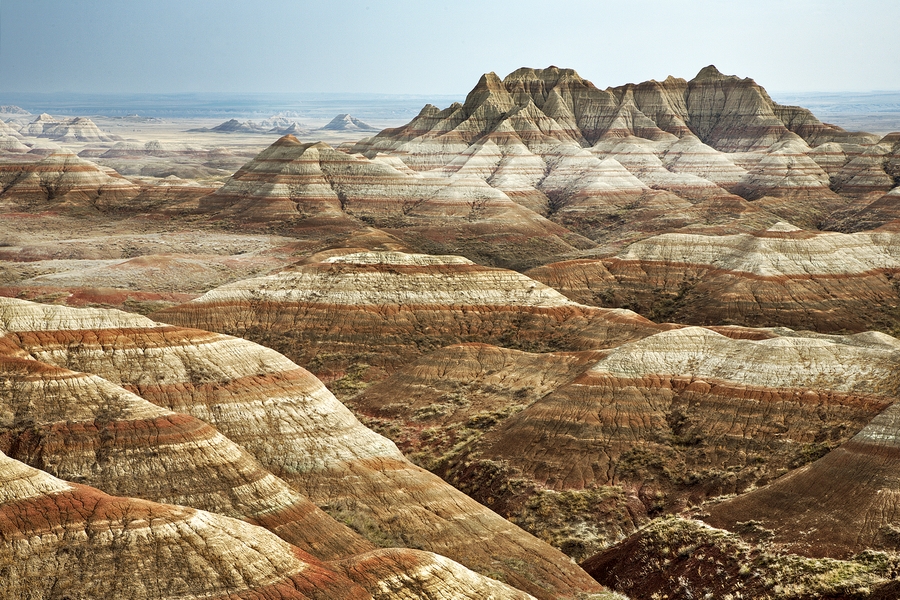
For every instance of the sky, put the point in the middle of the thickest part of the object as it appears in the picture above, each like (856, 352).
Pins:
(422, 47)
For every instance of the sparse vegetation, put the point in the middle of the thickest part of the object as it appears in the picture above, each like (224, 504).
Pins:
(682, 559)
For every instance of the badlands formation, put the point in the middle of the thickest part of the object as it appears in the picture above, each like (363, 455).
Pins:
(646, 328)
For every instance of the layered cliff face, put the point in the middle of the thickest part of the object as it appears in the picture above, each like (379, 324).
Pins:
(356, 316)
(585, 157)
(726, 112)
(781, 276)
(85, 429)
(128, 265)
(827, 529)
(61, 179)
(315, 186)
(280, 437)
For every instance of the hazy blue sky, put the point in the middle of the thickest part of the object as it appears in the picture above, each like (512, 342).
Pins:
(420, 47)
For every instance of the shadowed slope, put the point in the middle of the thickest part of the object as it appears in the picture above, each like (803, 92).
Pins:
(683, 559)
(843, 503)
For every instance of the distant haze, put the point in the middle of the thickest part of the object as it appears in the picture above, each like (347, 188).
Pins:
(416, 47)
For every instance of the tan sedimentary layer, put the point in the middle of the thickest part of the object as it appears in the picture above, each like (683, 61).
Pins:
(82, 428)
(292, 425)
(62, 179)
(316, 184)
(843, 503)
(668, 421)
(824, 281)
(387, 313)
(69, 539)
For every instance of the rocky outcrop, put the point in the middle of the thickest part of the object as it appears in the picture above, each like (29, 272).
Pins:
(781, 276)
(63, 538)
(706, 139)
(686, 559)
(355, 316)
(85, 429)
(296, 430)
(685, 414)
(62, 179)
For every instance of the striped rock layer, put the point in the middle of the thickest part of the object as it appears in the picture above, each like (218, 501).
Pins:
(125, 268)
(841, 504)
(581, 449)
(677, 409)
(61, 539)
(317, 186)
(583, 156)
(303, 442)
(377, 310)
(69, 540)
(782, 276)
(61, 179)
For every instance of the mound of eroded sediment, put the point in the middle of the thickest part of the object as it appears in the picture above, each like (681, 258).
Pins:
(346, 315)
(781, 276)
(85, 429)
(581, 448)
(841, 504)
(273, 410)
(61, 179)
(61, 539)
(315, 186)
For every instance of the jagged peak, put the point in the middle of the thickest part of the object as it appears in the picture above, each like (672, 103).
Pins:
(429, 110)
(489, 81)
(551, 76)
(489, 87)
(708, 73)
